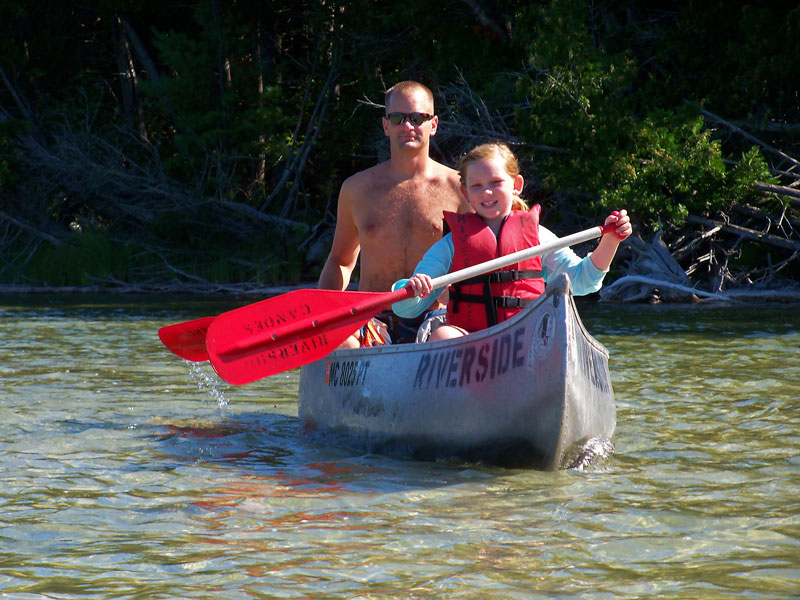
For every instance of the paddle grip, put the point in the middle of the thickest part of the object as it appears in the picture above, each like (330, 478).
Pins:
(611, 227)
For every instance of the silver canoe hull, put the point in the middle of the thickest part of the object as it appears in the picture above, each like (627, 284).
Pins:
(529, 392)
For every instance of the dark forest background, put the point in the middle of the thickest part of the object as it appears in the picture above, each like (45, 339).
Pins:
(154, 145)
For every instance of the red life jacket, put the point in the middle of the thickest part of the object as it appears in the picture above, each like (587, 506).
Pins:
(489, 299)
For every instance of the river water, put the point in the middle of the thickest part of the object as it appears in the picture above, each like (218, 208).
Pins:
(127, 473)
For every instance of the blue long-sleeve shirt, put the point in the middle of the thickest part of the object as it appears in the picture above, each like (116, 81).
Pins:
(585, 277)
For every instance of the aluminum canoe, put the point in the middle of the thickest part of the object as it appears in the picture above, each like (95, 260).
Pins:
(530, 392)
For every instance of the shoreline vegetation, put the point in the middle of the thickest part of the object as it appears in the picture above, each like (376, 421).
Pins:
(657, 290)
(657, 286)
(172, 147)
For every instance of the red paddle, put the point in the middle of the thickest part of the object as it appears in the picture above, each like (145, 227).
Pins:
(293, 329)
(188, 339)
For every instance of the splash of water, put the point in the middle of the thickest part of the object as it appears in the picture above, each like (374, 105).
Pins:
(592, 454)
(208, 383)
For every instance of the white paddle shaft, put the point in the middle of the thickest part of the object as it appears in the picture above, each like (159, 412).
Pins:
(518, 256)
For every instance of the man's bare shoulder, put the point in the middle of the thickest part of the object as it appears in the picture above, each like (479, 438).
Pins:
(449, 181)
(443, 175)
(442, 170)
(367, 179)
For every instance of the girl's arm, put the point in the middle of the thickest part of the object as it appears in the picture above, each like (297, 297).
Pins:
(435, 263)
(585, 274)
(607, 248)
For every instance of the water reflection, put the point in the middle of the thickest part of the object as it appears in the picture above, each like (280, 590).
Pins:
(127, 473)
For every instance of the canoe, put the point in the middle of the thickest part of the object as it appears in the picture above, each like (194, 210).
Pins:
(531, 392)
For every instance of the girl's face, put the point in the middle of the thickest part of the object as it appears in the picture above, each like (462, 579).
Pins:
(490, 190)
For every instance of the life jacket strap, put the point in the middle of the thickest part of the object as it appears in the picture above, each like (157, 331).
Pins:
(501, 277)
(512, 302)
(491, 303)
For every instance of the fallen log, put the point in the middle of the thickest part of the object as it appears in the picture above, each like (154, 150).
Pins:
(31, 229)
(794, 162)
(654, 288)
(789, 192)
(757, 213)
(752, 234)
(633, 288)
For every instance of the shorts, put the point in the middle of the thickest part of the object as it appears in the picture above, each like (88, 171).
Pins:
(403, 330)
(433, 320)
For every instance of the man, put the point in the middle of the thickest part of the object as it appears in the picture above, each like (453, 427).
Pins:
(391, 213)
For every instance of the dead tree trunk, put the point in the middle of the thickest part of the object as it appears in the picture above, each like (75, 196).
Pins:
(132, 105)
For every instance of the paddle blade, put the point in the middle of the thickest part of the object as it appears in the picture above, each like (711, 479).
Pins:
(288, 331)
(188, 339)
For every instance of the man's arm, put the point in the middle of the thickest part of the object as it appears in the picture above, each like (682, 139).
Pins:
(342, 259)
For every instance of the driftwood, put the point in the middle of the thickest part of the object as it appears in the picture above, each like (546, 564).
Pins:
(780, 221)
(652, 274)
(258, 215)
(655, 275)
(697, 265)
(791, 194)
(785, 157)
(118, 178)
(760, 236)
(658, 289)
(784, 190)
(633, 288)
(31, 229)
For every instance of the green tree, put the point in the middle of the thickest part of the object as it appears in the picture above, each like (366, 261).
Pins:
(615, 132)
(209, 139)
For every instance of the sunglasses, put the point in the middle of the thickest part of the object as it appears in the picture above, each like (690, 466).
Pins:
(416, 118)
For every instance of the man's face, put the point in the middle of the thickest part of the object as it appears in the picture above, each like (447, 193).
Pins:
(407, 135)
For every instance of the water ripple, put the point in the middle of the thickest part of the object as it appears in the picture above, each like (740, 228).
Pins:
(127, 473)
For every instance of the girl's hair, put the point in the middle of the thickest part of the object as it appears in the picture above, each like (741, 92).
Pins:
(486, 152)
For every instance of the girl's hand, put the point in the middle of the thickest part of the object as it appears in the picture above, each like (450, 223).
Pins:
(420, 284)
(620, 218)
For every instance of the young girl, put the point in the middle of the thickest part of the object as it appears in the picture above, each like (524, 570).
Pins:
(500, 225)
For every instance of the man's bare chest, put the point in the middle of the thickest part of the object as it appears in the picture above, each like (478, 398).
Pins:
(405, 211)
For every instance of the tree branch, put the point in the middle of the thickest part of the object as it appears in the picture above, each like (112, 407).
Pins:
(30, 228)
(746, 135)
(744, 232)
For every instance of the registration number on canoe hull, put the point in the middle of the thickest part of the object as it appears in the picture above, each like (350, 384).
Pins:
(346, 373)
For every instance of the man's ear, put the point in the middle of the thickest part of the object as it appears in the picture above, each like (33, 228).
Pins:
(385, 123)
(434, 124)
